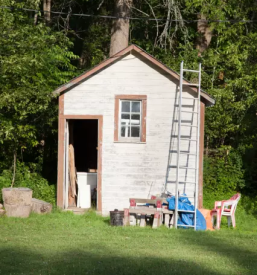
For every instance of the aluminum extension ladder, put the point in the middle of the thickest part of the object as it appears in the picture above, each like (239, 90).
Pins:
(195, 112)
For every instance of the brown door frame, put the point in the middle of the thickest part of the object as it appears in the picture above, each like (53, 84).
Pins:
(61, 152)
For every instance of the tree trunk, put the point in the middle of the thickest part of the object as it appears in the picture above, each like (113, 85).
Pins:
(120, 27)
(35, 18)
(47, 10)
(14, 166)
(205, 34)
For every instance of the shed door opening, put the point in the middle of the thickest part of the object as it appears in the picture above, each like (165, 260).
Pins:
(83, 136)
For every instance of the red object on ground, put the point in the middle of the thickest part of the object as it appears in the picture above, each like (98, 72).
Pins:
(226, 208)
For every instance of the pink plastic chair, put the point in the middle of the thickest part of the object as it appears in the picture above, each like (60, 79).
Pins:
(225, 208)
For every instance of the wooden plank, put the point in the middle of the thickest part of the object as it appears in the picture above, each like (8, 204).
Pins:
(72, 172)
(138, 200)
(142, 220)
(126, 217)
(145, 210)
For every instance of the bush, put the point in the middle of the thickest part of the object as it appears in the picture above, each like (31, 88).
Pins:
(223, 172)
(24, 178)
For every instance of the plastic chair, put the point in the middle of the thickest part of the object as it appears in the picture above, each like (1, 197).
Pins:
(225, 208)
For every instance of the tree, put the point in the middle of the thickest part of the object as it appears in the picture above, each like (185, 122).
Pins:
(33, 61)
(120, 27)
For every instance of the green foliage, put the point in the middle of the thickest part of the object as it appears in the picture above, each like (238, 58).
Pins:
(223, 172)
(33, 61)
(26, 177)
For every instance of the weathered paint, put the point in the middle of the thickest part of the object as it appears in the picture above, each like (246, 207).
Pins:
(133, 169)
(140, 52)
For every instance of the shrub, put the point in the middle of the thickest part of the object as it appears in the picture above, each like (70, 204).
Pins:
(223, 172)
(24, 178)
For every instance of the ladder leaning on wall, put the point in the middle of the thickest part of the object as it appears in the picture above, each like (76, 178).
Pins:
(193, 104)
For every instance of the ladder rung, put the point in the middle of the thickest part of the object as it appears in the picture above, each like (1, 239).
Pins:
(192, 71)
(170, 181)
(193, 98)
(190, 112)
(183, 124)
(191, 84)
(188, 154)
(193, 182)
(188, 211)
(182, 167)
(183, 153)
(186, 167)
(188, 139)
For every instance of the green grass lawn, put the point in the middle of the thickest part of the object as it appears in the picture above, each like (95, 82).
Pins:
(62, 243)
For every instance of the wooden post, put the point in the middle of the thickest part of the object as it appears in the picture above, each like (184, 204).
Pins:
(126, 217)
(142, 220)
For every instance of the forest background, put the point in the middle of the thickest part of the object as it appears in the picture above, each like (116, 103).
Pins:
(41, 49)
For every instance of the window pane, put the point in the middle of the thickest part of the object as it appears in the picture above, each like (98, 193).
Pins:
(135, 131)
(125, 131)
(122, 132)
(135, 119)
(125, 107)
(136, 107)
(125, 116)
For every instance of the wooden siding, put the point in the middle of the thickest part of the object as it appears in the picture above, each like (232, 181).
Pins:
(134, 169)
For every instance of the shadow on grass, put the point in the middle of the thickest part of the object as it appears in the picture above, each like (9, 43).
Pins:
(230, 249)
(101, 249)
(17, 261)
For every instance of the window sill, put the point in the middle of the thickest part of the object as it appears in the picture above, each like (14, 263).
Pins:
(127, 141)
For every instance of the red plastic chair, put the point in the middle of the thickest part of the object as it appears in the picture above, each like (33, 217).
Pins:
(225, 208)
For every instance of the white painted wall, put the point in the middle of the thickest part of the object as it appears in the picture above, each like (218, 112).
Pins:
(132, 169)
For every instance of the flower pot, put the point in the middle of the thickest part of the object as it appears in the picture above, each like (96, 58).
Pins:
(17, 201)
(17, 196)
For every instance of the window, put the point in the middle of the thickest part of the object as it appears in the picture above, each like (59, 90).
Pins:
(130, 118)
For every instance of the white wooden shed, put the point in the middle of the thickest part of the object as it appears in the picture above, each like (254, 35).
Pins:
(121, 118)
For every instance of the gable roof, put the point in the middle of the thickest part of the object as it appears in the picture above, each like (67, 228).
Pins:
(77, 80)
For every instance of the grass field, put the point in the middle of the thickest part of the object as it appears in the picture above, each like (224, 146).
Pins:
(62, 243)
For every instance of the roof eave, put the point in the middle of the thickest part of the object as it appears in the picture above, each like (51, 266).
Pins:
(208, 100)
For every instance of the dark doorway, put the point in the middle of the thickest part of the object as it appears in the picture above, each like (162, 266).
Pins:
(85, 141)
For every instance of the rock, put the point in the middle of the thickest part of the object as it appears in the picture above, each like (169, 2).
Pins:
(17, 196)
(20, 211)
(41, 207)
(2, 212)
(1, 206)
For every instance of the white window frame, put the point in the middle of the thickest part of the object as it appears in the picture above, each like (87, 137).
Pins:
(132, 139)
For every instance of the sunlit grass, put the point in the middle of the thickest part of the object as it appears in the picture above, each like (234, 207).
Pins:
(63, 243)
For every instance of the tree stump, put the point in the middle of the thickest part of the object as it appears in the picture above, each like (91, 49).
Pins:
(17, 196)
(17, 201)
(41, 207)
(20, 211)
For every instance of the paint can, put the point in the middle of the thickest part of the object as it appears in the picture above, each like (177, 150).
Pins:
(116, 217)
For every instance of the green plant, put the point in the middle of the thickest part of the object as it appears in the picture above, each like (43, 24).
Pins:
(223, 171)
(25, 178)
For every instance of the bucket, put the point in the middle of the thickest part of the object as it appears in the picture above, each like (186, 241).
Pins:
(117, 217)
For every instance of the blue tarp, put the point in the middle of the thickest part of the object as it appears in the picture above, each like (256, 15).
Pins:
(187, 218)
